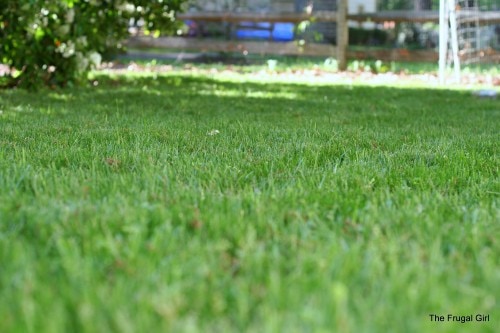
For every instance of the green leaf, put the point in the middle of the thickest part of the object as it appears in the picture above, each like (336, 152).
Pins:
(39, 33)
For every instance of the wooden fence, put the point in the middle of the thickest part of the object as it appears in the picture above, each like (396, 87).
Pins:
(308, 49)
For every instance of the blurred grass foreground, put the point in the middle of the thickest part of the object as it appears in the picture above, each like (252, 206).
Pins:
(185, 202)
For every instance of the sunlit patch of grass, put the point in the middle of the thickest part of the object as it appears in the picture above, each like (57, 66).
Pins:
(253, 63)
(188, 203)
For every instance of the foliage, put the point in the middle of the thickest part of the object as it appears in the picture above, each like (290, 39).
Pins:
(186, 204)
(371, 37)
(407, 4)
(432, 4)
(395, 4)
(56, 42)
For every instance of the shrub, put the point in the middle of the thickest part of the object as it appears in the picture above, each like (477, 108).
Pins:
(360, 36)
(56, 42)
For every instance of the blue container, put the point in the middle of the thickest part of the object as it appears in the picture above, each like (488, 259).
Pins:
(280, 32)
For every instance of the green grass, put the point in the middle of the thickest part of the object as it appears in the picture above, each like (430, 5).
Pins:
(254, 62)
(315, 208)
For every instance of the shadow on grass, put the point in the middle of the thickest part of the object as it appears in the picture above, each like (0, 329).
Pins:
(202, 97)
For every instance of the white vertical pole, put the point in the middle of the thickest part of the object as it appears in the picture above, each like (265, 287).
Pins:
(443, 38)
(454, 39)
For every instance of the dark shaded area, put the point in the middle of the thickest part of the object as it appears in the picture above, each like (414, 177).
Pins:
(193, 58)
(184, 95)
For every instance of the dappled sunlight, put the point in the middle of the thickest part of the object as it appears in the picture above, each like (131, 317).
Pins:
(61, 96)
(161, 94)
(248, 94)
(317, 74)
(195, 181)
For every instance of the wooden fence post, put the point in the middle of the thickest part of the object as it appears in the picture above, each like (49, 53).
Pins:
(342, 34)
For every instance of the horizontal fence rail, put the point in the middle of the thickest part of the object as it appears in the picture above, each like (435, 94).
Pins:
(287, 48)
(398, 16)
(235, 19)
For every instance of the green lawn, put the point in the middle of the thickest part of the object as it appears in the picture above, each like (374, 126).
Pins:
(189, 204)
(252, 63)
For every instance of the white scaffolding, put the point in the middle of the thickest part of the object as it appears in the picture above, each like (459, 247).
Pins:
(459, 40)
(447, 29)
